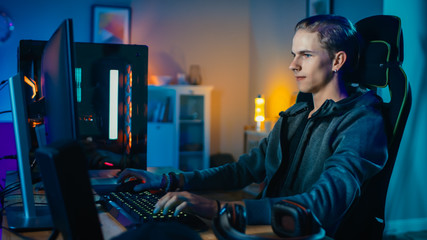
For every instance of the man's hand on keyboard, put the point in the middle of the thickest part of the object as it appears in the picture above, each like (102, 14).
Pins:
(150, 181)
(194, 203)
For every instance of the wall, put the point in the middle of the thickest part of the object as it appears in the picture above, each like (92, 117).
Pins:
(212, 34)
(406, 206)
(271, 32)
(356, 10)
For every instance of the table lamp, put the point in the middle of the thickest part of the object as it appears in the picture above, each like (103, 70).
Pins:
(259, 111)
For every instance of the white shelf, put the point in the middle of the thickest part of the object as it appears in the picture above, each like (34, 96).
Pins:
(184, 140)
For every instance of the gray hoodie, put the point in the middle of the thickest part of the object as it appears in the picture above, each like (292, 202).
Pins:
(343, 144)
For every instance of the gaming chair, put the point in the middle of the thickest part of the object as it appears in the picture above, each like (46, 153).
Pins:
(380, 67)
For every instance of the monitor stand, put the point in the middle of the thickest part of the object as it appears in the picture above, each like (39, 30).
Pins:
(17, 221)
(26, 217)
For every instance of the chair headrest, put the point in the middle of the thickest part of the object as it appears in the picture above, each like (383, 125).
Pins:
(382, 48)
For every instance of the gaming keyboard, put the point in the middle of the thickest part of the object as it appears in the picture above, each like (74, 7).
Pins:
(133, 209)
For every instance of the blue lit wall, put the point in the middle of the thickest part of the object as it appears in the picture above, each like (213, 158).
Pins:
(406, 206)
(7, 147)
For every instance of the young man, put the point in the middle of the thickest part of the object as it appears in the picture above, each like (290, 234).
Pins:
(318, 154)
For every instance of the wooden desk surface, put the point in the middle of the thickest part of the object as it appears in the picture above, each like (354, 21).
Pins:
(111, 227)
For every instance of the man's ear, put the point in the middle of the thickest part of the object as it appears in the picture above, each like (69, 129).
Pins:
(339, 60)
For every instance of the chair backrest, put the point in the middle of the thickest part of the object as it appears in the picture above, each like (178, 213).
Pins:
(380, 67)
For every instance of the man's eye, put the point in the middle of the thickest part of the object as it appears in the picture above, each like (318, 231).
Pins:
(307, 55)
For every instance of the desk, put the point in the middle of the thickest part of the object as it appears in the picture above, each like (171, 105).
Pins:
(111, 227)
(255, 230)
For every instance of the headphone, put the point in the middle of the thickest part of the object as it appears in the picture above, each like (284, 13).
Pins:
(290, 221)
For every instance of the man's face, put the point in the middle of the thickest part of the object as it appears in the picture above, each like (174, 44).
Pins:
(312, 65)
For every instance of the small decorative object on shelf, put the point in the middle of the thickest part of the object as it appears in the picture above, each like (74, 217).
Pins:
(194, 76)
(181, 79)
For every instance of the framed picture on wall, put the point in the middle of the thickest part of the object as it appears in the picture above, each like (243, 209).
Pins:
(316, 7)
(110, 24)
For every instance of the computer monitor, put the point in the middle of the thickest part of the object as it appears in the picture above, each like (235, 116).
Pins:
(57, 85)
(57, 79)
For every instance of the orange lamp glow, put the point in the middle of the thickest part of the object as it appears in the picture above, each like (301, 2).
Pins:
(259, 111)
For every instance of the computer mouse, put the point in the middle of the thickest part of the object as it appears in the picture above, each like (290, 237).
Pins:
(128, 186)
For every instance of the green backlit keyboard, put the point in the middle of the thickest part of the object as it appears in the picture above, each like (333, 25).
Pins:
(133, 209)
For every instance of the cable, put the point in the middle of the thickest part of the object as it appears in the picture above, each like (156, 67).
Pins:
(9, 189)
(3, 196)
(3, 84)
(12, 184)
(20, 202)
(9, 157)
(16, 186)
(7, 111)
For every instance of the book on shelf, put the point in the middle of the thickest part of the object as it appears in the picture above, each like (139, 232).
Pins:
(160, 111)
(166, 111)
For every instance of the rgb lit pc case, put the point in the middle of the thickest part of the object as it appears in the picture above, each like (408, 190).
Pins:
(111, 97)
